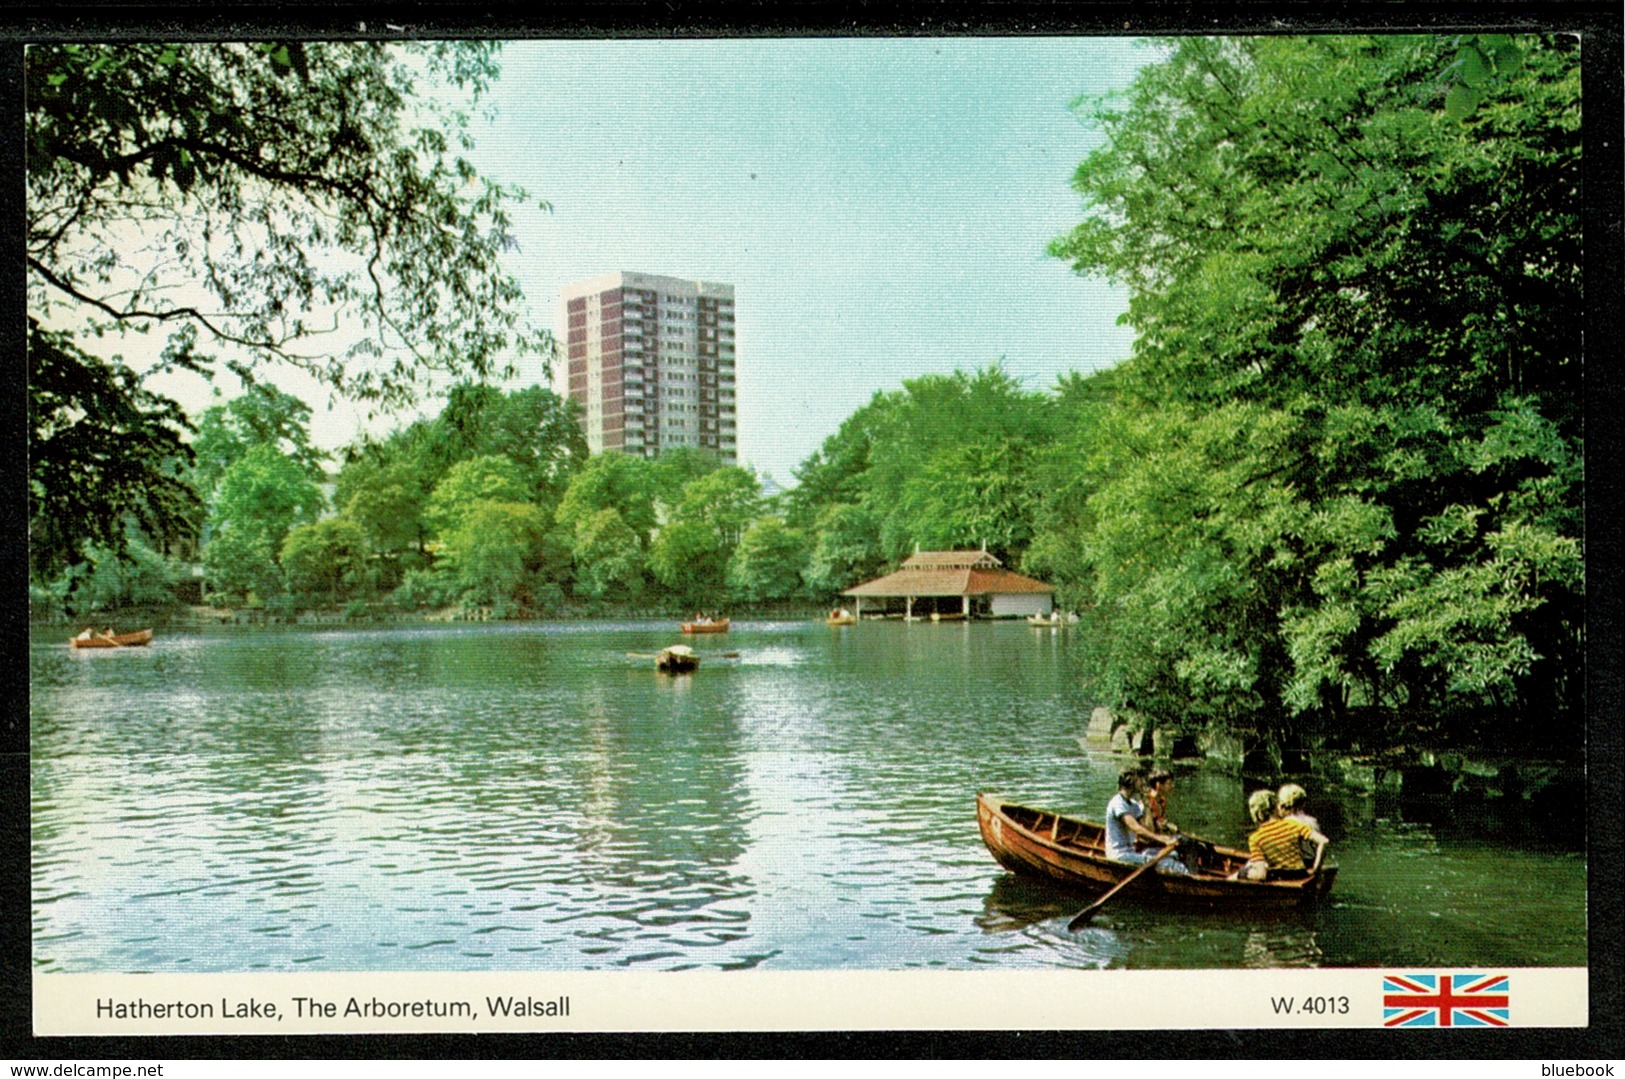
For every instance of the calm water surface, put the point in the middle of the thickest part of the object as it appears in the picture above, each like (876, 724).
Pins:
(529, 797)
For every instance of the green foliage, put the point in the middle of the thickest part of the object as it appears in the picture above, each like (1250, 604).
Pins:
(108, 580)
(676, 468)
(327, 558)
(846, 551)
(724, 501)
(689, 559)
(240, 566)
(103, 453)
(944, 463)
(535, 429)
(768, 563)
(386, 500)
(246, 198)
(1340, 479)
(259, 500)
(289, 187)
(609, 560)
(495, 552)
(468, 484)
(261, 416)
(612, 481)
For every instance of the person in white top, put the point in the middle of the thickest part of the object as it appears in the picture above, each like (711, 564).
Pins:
(1125, 823)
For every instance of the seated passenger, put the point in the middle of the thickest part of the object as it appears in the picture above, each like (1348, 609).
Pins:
(1273, 846)
(1124, 814)
(1159, 785)
(1289, 802)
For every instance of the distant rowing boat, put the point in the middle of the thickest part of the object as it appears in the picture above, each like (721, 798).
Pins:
(677, 659)
(718, 626)
(87, 639)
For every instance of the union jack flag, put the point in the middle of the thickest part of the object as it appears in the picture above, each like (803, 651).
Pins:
(1445, 1000)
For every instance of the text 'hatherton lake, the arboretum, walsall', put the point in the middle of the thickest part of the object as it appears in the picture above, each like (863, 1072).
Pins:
(530, 797)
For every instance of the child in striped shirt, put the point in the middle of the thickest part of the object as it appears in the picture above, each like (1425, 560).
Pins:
(1273, 846)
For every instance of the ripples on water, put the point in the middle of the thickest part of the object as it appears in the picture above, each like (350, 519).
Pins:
(529, 797)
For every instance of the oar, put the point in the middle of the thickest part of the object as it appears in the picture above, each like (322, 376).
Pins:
(1082, 917)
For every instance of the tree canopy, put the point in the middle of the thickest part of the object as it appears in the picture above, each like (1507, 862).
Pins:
(302, 205)
(1339, 480)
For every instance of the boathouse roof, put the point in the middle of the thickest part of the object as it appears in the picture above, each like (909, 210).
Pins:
(949, 573)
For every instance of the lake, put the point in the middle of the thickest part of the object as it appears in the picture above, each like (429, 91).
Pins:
(520, 797)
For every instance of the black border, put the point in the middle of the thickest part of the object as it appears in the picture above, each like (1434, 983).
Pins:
(1600, 23)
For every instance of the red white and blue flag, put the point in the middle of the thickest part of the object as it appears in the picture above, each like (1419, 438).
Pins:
(1445, 1000)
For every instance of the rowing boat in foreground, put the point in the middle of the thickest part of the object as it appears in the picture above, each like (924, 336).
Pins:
(1072, 853)
(718, 626)
(87, 639)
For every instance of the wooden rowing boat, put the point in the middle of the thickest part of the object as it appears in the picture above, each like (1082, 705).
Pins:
(87, 639)
(1041, 621)
(1071, 852)
(718, 626)
(677, 659)
(845, 618)
(948, 616)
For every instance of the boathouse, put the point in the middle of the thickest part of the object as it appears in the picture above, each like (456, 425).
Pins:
(957, 583)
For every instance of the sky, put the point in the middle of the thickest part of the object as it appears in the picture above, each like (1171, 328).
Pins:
(882, 207)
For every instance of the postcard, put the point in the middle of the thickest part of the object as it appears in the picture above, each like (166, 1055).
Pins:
(889, 532)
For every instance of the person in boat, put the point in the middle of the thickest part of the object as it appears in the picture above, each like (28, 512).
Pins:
(1289, 801)
(1125, 817)
(1159, 784)
(1274, 848)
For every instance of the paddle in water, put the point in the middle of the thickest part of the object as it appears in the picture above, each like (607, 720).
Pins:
(1081, 919)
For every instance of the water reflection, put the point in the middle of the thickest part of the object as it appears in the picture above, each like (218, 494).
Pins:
(529, 797)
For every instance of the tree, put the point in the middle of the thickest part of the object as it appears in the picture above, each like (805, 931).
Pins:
(612, 481)
(1338, 480)
(495, 551)
(609, 560)
(676, 468)
(255, 196)
(689, 559)
(768, 563)
(261, 415)
(293, 183)
(103, 452)
(534, 428)
(483, 479)
(328, 556)
(259, 500)
(109, 580)
(725, 501)
(846, 551)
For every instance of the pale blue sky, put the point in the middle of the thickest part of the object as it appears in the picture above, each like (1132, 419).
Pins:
(881, 206)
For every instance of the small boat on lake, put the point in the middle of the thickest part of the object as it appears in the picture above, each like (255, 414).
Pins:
(1046, 621)
(91, 639)
(841, 617)
(1071, 852)
(706, 625)
(678, 659)
(948, 616)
